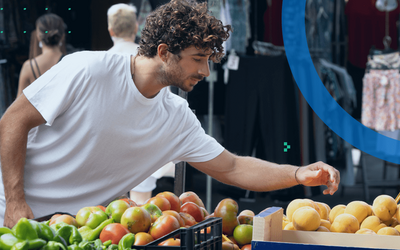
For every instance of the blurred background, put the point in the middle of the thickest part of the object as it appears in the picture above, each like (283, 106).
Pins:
(255, 107)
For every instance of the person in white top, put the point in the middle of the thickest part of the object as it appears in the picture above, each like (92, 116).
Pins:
(123, 27)
(97, 124)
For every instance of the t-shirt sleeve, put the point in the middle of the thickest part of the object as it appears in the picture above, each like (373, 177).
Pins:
(198, 146)
(54, 91)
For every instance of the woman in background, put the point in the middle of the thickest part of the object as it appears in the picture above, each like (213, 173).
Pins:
(50, 34)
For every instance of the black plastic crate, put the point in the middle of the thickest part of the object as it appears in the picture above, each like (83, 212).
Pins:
(193, 238)
(48, 217)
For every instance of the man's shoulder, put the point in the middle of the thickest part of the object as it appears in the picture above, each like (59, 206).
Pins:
(95, 61)
(175, 99)
(94, 56)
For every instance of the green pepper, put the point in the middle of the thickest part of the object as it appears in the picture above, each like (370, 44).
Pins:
(90, 216)
(126, 242)
(53, 245)
(5, 230)
(91, 234)
(58, 225)
(61, 240)
(74, 247)
(86, 245)
(112, 247)
(8, 240)
(44, 231)
(36, 243)
(70, 234)
(107, 243)
(98, 244)
(24, 230)
(20, 246)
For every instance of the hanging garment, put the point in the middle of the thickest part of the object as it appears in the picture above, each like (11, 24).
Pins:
(319, 17)
(262, 114)
(226, 19)
(214, 7)
(381, 100)
(346, 84)
(238, 11)
(366, 27)
(145, 10)
(262, 110)
(273, 23)
(384, 61)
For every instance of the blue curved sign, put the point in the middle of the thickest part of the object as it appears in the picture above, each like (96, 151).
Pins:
(317, 96)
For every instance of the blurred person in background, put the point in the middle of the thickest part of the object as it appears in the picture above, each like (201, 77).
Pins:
(123, 27)
(48, 36)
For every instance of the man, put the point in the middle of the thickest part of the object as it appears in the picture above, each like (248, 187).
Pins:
(123, 27)
(72, 138)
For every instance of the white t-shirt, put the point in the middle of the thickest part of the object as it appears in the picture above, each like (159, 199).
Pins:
(102, 136)
(127, 47)
(122, 46)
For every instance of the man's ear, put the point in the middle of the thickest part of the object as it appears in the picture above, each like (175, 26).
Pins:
(111, 31)
(136, 28)
(162, 52)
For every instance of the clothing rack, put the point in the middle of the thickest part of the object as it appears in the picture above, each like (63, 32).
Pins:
(384, 181)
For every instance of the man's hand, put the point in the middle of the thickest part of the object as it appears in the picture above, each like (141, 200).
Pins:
(317, 174)
(15, 211)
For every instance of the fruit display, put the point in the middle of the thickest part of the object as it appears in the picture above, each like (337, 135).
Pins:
(125, 225)
(356, 217)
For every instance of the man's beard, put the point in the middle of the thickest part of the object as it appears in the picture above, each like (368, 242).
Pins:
(172, 75)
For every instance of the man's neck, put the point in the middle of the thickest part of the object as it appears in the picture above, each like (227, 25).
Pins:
(124, 39)
(144, 74)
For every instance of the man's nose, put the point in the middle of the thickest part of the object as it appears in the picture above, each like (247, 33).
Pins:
(205, 70)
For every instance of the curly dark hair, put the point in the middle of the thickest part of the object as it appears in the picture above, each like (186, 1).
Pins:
(181, 24)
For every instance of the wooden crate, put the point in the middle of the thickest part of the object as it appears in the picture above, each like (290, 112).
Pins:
(268, 234)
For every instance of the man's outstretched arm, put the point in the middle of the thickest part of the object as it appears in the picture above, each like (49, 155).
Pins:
(15, 124)
(258, 175)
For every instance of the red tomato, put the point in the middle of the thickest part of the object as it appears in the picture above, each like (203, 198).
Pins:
(142, 239)
(113, 232)
(171, 242)
(136, 219)
(194, 210)
(176, 215)
(246, 247)
(57, 218)
(208, 230)
(101, 207)
(53, 218)
(191, 196)
(130, 202)
(163, 225)
(189, 220)
(161, 202)
(173, 200)
(227, 209)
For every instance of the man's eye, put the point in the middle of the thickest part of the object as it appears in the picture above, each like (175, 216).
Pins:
(197, 60)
